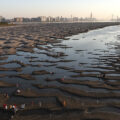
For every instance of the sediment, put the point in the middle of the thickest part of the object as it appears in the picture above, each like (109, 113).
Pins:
(30, 55)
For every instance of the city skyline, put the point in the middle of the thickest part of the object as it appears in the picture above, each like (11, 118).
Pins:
(103, 9)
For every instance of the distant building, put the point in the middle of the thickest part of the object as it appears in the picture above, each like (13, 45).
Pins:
(89, 19)
(18, 19)
(75, 19)
(2, 19)
(38, 19)
(43, 18)
(50, 19)
(26, 20)
(91, 16)
(57, 19)
(62, 19)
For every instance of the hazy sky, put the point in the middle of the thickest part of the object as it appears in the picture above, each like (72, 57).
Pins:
(81, 8)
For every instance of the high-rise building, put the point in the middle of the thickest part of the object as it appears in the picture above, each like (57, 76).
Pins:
(91, 15)
(18, 19)
(43, 18)
(38, 19)
(2, 19)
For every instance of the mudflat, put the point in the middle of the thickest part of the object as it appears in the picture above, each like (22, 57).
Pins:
(54, 84)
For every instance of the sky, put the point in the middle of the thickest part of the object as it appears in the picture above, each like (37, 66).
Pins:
(101, 9)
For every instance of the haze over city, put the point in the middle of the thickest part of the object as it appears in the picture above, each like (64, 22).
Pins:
(102, 9)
